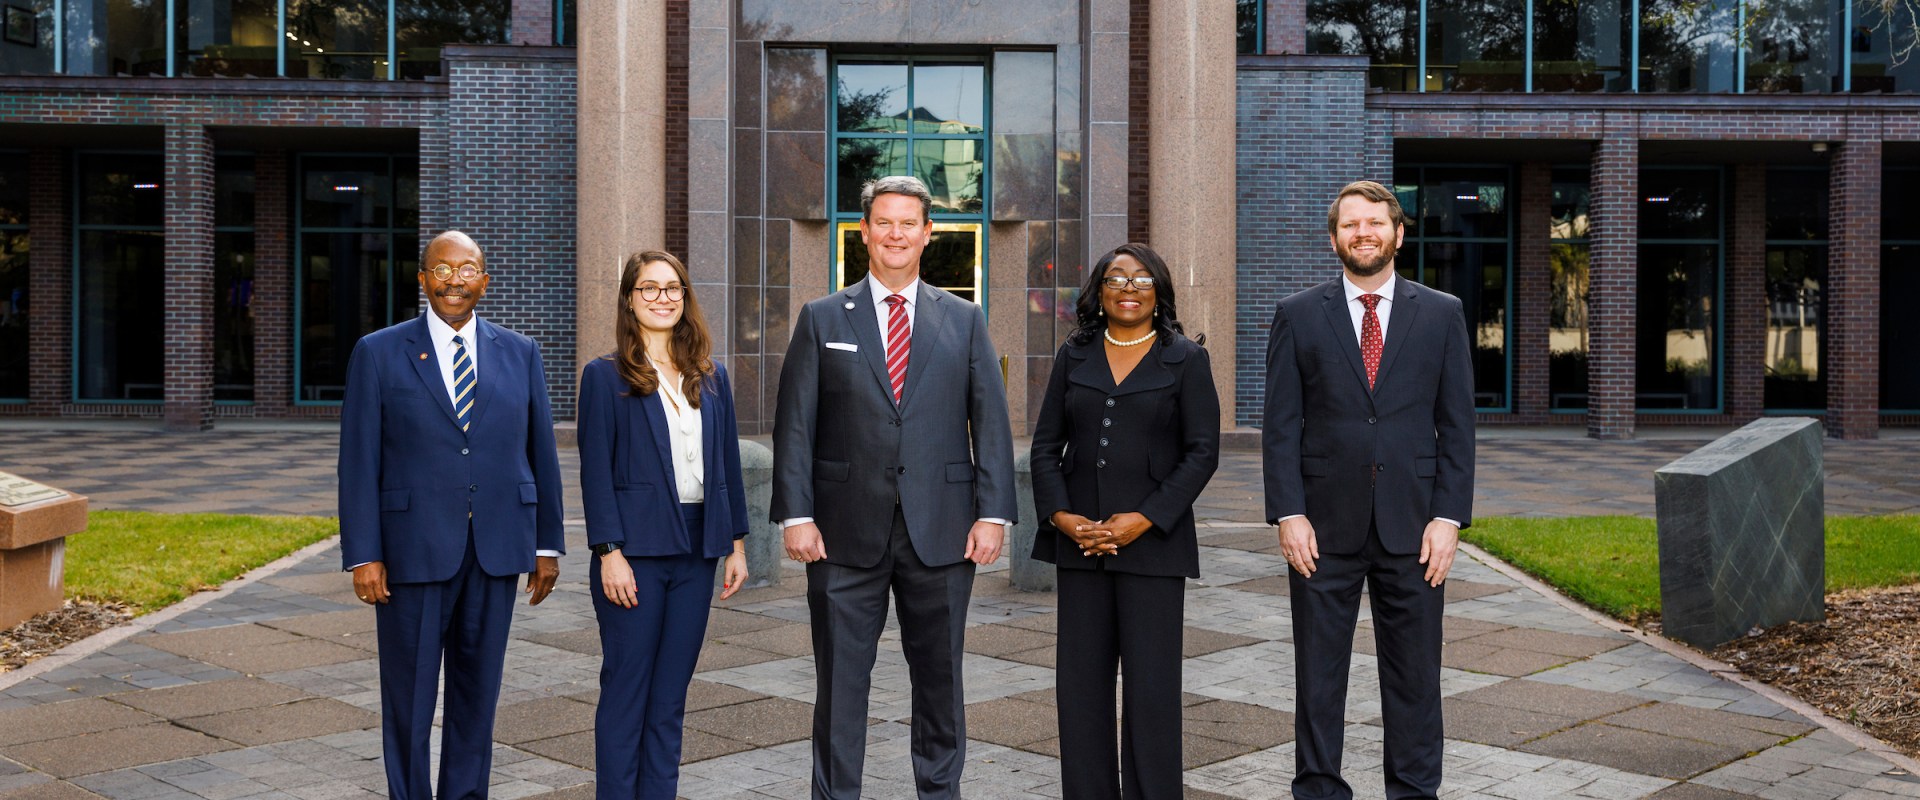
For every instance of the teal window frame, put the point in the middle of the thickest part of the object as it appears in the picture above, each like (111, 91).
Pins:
(984, 218)
(18, 157)
(1740, 48)
(1719, 353)
(299, 229)
(1259, 28)
(73, 248)
(1887, 178)
(1767, 247)
(1416, 242)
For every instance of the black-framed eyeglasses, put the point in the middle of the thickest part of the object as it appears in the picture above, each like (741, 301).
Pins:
(1118, 282)
(466, 272)
(651, 293)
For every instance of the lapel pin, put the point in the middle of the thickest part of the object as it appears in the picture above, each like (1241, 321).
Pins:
(849, 305)
(423, 356)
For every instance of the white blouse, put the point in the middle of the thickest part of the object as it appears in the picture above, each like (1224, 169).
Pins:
(683, 437)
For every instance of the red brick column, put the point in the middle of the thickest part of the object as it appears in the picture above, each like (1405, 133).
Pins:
(1612, 288)
(1853, 292)
(532, 22)
(272, 286)
(1532, 287)
(1746, 321)
(189, 279)
(1286, 26)
(49, 284)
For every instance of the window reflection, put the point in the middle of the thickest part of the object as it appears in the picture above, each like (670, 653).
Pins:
(233, 38)
(949, 99)
(1568, 262)
(1793, 45)
(954, 171)
(120, 278)
(233, 274)
(14, 302)
(872, 98)
(336, 39)
(356, 263)
(1582, 45)
(1677, 317)
(34, 56)
(423, 26)
(1688, 45)
(1246, 26)
(1386, 32)
(951, 261)
(1462, 245)
(1879, 37)
(862, 160)
(117, 37)
(1476, 45)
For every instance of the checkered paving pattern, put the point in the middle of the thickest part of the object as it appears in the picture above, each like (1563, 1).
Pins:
(271, 689)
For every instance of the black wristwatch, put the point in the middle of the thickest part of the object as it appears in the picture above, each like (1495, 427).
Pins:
(605, 547)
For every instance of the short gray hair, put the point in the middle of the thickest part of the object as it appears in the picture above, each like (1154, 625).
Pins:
(896, 184)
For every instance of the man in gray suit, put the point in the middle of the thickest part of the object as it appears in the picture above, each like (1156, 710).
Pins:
(893, 469)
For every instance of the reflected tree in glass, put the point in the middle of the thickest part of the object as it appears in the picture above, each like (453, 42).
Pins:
(1581, 45)
(1476, 45)
(1793, 45)
(1688, 45)
(422, 27)
(1385, 32)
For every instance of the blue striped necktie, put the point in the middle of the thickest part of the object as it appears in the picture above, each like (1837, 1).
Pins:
(463, 380)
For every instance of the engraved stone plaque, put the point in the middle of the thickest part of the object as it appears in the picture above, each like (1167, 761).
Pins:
(18, 491)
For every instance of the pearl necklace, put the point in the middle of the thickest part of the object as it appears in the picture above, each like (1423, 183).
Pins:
(1117, 343)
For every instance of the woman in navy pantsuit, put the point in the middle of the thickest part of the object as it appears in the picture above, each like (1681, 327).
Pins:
(660, 476)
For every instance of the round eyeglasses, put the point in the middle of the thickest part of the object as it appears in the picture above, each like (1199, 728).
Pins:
(651, 293)
(1118, 282)
(467, 272)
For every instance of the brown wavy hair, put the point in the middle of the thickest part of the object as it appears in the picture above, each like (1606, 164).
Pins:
(692, 346)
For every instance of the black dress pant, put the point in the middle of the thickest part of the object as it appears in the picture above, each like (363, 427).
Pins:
(1406, 635)
(848, 607)
(1114, 621)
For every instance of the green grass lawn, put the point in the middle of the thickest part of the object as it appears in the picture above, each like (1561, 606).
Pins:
(1612, 563)
(150, 561)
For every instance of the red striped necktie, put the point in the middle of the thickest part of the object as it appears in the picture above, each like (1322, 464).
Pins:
(899, 343)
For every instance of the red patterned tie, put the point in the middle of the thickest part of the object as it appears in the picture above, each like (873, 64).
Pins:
(900, 343)
(1370, 337)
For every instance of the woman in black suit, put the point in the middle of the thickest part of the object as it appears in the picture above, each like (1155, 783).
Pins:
(1128, 435)
(660, 479)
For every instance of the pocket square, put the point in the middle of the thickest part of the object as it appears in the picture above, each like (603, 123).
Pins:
(847, 346)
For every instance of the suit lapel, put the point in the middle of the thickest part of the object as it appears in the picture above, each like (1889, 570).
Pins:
(427, 363)
(493, 369)
(1148, 375)
(929, 326)
(1341, 320)
(654, 408)
(1406, 309)
(1091, 372)
(866, 328)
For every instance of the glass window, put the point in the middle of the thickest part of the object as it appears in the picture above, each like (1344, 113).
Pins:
(336, 39)
(1463, 246)
(1899, 277)
(235, 38)
(1582, 45)
(14, 246)
(1247, 26)
(1476, 45)
(926, 119)
(355, 263)
(233, 260)
(116, 37)
(28, 46)
(563, 22)
(1796, 289)
(1880, 35)
(1386, 32)
(120, 260)
(1678, 323)
(1794, 45)
(1568, 261)
(423, 27)
(1688, 45)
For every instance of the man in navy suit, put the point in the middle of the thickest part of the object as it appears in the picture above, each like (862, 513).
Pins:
(1367, 449)
(449, 491)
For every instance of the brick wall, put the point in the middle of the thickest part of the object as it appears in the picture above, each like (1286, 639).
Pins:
(510, 185)
(532, 22)
(272, 286)
(1853, 291)
(1612, 286)
(1528, 318)
(1285, 181)
(1138, 51)
(49, 284)
(188, 332)
(1746, 309)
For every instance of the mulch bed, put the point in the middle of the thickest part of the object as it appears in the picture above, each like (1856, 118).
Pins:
(46, 633)
(1861, 664)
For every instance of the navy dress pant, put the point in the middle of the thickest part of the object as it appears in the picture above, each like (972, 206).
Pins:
(648, 654)
(1406, 636)
(466, 618)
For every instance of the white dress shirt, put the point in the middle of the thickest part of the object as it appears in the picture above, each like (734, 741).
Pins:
(683, 441)
(1358, 312)
(879, 292)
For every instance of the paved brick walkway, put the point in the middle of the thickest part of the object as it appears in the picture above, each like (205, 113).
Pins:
(269, 688)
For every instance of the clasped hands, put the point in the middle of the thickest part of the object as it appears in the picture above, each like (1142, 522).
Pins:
(1103, 537)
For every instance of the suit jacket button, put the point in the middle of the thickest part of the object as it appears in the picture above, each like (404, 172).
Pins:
(1106, 423)
(1103, 441)
(473, 488)
(463, 451)
(1109, 402)
(1371, 420)
(903, 470)
(1102, 463)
